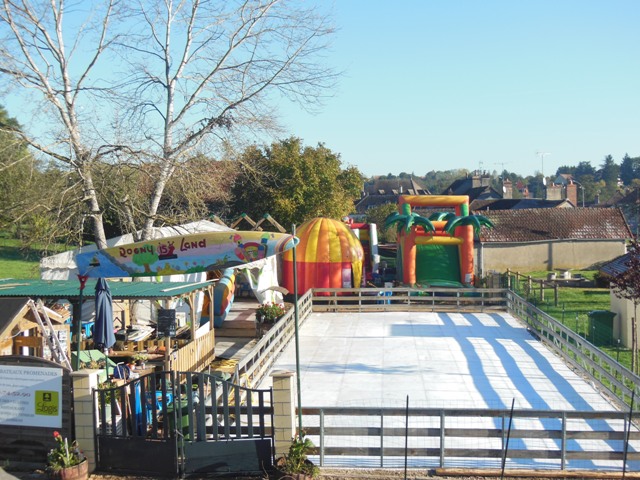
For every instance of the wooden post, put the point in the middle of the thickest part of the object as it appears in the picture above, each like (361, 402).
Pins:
(542, 290)
(555, 296)
(167, 343)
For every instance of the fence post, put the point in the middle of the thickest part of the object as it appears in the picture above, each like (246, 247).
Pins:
(441, 438)
(563, 453)
(381, 438)
(542, 290)
(84, 383)
(284, 410)
(555, 299)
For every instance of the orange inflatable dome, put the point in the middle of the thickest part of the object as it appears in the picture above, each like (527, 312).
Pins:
(329, 255)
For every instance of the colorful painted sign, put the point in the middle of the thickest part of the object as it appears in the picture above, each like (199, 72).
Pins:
(198, 252)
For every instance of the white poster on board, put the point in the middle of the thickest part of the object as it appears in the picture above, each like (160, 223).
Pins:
(31, 396)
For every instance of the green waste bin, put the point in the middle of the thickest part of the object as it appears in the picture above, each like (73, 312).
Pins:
(181, 417)
(601, 327)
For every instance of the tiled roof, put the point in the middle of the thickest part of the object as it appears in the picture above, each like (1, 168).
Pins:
(633, 198)
(458, 186)
(516, 203)
(370, 201)
(539, 224)
(386, 186)
(616, 266)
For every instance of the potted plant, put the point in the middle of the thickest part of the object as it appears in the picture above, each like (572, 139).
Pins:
(266, 315)
(269, 312)
(66, 461)
(140, 358)
(295, 463)
(110, 388)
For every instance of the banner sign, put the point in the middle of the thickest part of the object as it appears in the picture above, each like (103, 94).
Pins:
(31, 396)
(198, 252)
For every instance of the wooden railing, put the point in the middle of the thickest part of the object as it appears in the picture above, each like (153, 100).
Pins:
(252, 369)
(195, 356)
(407, 299)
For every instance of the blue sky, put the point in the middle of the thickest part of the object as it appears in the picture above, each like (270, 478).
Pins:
(439, 85)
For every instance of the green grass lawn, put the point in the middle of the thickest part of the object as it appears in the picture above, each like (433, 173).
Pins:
(572, 310)
(19, 262)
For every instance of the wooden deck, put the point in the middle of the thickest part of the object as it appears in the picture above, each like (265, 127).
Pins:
(237, 335)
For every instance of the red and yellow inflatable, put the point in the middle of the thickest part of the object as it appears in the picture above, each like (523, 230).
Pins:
(329, 255)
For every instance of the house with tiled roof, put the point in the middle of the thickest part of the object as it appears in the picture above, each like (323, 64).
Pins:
(622, 307)
(383, 190)
(517, 204)
(550, 239)
(629, 203)
(475, 186)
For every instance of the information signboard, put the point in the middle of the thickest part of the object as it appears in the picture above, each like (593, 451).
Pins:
(31, 396)
(166, 322)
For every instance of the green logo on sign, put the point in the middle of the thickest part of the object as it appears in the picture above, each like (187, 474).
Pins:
(47, 402)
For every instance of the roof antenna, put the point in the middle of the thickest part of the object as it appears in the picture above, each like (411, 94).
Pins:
(542, 155)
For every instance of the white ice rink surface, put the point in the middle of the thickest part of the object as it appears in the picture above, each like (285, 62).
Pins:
(455, 360)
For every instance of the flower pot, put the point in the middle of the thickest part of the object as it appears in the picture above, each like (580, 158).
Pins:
(262, 328)
(77, 472)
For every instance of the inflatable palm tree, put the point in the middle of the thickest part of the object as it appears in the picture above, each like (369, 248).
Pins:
(407, 219)
(476, 221)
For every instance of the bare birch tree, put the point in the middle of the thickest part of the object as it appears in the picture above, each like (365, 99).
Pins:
(152, 84)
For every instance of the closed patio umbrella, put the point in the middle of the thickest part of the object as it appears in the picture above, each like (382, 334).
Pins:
(103, 336)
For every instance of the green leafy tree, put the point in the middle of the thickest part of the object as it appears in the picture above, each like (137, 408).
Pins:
(377, 215)
(584, 168)
(17, 168)
(294, 183)
(609, 173)
(37, 201)
(437, 181)
(629, 169)
(566, 169)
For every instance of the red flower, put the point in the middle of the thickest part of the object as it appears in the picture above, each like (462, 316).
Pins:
(56, 434)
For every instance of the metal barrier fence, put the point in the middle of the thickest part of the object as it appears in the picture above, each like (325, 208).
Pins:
(618, 381)
(452, 437)
(455, 437)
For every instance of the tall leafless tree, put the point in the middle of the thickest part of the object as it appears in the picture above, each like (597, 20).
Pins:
(152, 84)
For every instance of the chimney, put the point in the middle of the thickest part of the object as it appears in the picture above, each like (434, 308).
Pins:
(554, 192)
(572, 193)
(485, 180)
(507, 189)
(476, 181)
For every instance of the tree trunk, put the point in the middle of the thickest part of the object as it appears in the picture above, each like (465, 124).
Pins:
(91, 198)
